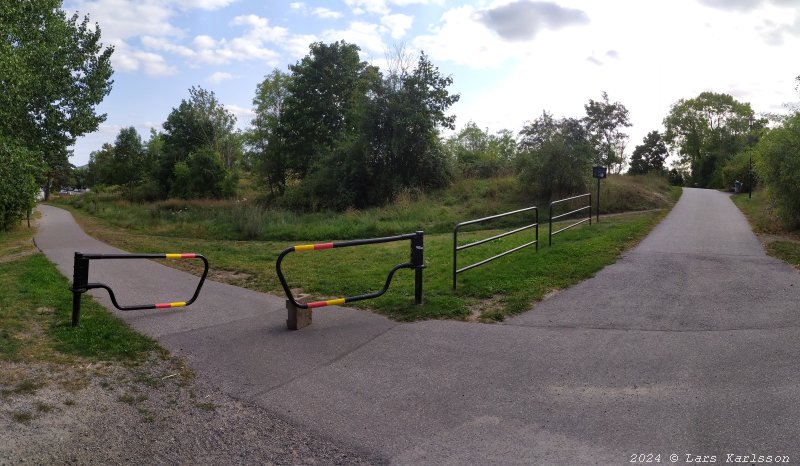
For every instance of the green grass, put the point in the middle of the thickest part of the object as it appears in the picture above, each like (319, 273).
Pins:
(434, 213)
(778, 242)
(36, 307)
(503, 287)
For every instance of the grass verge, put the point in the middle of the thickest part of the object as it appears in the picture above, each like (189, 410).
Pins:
(36, 307)
(778, 242)
(501, 288)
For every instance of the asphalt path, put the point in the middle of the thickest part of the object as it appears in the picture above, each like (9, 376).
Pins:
(688, 345)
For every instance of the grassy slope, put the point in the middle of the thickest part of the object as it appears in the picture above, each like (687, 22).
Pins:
(778, 242)
(506, 286)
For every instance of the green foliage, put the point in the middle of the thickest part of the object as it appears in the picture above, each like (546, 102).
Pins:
(480, 154)
(604, 122)
(200, 125)
(54, 72)
(707, 131)
(264, 138)
(649, 156)
(350, 136)
(778, 165)
(555, 158)
(19, 170)
(737, 168)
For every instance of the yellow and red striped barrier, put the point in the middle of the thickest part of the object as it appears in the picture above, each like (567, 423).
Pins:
(415, 263)
(80, 280)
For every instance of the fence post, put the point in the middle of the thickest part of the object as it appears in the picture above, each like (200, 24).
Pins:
(417, 259)
(80, 277)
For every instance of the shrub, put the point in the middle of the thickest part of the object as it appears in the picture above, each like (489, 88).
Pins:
(778, 165)
(19, 168)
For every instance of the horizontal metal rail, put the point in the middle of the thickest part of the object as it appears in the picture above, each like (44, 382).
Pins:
(588, 207)
(80, 280)
(416, 263)
(457, 248)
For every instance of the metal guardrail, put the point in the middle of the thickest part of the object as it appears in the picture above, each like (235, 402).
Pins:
(551, 233)
(80, 278)
(457, 248)
(416, 262)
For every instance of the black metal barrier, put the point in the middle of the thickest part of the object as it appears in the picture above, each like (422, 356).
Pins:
(416, 263)
(80, 278)
(457, 248)
(588, 219)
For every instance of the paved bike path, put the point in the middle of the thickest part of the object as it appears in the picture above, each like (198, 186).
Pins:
(688, 344)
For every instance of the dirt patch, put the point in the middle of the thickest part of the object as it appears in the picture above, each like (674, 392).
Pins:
(16, 256)
(484, 310)
(150, 413)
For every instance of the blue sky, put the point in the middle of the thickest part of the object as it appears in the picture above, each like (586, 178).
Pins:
(510, 60)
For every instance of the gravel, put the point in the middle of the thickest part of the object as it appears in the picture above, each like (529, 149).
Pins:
(155, 412)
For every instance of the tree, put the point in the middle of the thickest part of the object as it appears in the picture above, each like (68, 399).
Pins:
(198, 123)
(356, 138)
(264, 138)
(481, 154)
(708, 130)
(325, 95)
(777, 162)
(54, 72)
(650, 155)
(554, 158)
(605, 122)
(19, 170)
(128, 158)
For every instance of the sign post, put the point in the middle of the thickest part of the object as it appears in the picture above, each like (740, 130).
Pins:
(598, 172)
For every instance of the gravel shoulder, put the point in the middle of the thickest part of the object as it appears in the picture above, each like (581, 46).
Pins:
(154, 412)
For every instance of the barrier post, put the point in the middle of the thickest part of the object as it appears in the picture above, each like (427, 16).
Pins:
(417, 260)
(80, 278)
(297, 317)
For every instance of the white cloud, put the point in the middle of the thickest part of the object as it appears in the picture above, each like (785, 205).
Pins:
(130, 59)
(122, 19)
(202, 4)
(243, 114)
(325, 13)
(359, 7)
(461, 38)
(297, 5)
(204, 42)
(366, 35)
(397, 24)
(158, 43)
(219, 76)
(297, 45)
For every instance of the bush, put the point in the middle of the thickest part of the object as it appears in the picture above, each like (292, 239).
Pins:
(777, 163)
(19, 168)
(737, 169)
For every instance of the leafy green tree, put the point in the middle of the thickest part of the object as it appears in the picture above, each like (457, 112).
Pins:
(54, 72)
(264, 138)
(356, 138)
(650, 155)
(129, 158)
(777, 163)
(101, 166)
(198, 123)
(480, 154)
(19, 170)
(323, 105)
(605, 122)
(403, 121)
(708, 130)
(202, 176)
(555, 157)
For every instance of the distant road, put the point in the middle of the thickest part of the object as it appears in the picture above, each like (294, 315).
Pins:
(689, 345)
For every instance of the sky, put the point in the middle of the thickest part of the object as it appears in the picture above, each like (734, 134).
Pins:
(509, 60)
